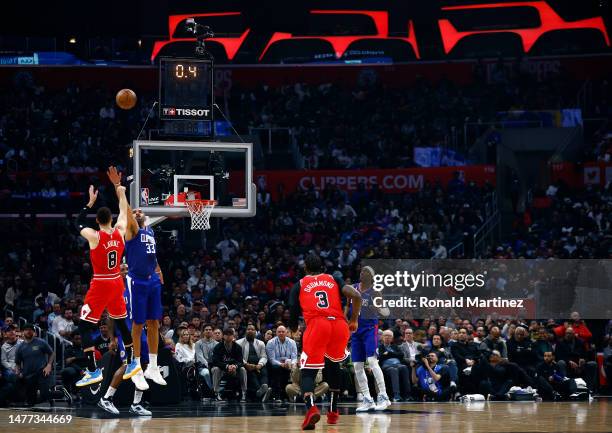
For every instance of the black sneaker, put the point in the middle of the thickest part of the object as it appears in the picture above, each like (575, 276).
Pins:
(218, 397)
(266, 395)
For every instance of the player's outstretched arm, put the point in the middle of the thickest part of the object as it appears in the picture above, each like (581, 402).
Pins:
(355, 297)
(126, 220)
(126, 223)
(81, 222)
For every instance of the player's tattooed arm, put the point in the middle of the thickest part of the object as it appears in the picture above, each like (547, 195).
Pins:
(81, 222)
(355, 297)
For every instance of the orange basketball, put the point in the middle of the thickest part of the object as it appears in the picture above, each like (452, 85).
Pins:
(126, 99)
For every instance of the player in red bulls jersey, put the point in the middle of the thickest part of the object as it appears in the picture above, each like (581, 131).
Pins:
(317, 297)
(106, 289)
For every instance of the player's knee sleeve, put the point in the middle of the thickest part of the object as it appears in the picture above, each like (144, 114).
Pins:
(373, 362)
(308, 379)
(86, 329)
(359, 367)
(333, 374)
(126, 335)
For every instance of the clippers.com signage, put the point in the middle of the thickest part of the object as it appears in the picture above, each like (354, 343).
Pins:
(549, 21)
(388, 181)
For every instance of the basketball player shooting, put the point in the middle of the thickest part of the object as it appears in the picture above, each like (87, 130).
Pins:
(106, 289)
(144, 283)
(364, 345)
(318, 298)
(106, 402)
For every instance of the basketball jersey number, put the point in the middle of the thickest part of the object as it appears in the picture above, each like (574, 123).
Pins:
(112, 259)
(323, 301)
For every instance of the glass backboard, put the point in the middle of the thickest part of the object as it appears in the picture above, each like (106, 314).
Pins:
(166, 173)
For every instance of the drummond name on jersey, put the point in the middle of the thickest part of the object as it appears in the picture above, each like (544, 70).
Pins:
(317, 283)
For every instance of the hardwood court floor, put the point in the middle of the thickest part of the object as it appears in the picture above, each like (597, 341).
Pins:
(257, 418)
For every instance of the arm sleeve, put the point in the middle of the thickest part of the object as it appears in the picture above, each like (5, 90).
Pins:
(263, 358)
(5, 363)
(295, 311)
(271, 358)
(504, 353)
(18, 357)
(199, 354)
(81, 220)
(457, 355)
(218, 356)
(238, 355)
(47, 349)
(294, 352)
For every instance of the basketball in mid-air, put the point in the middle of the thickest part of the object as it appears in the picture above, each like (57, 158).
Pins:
(126, 99)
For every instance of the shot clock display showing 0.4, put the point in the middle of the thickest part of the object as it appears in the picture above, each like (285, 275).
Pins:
(185, 71)
(185, 89)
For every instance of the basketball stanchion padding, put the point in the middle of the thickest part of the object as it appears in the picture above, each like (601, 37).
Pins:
(200, 211)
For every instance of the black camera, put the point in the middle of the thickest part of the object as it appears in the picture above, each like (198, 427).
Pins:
(198, 30)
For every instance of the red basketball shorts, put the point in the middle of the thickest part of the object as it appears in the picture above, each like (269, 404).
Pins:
(104, 294)
(324, 338)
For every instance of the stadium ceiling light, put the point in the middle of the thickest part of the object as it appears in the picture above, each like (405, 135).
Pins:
(72, 40)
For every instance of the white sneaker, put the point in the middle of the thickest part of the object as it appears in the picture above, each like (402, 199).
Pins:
(155, 375)
(140, 382)
(108, 406)
(366, 405)
(137, 409)
(382, 402)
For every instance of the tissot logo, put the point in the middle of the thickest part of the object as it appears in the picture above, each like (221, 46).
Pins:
(550, 21)
(169, 111)
(192, 112)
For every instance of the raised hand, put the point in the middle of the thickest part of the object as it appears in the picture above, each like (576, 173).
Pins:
(93, 195)
(113, 175)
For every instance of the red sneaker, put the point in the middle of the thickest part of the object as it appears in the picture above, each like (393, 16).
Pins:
(312, 417)
(332, 417)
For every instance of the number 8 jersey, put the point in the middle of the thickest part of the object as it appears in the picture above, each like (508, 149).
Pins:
(106, 288)
(106, 257)
(320, 297)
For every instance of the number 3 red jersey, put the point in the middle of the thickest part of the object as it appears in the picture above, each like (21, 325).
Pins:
(320, 297)
(106, 257)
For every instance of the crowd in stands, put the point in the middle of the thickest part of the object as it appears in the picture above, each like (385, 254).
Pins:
(225, 300)
(562, 223)
(361, 127)
(234, 289)
(58, 139)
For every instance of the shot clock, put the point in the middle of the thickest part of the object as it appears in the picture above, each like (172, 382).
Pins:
(186, 89)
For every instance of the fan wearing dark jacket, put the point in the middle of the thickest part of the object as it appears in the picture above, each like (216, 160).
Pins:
(391, 360)
(227, 361)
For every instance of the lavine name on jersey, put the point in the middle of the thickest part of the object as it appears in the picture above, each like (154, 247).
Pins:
(111, 244)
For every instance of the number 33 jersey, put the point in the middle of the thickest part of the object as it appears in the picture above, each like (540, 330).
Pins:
(320, 297)
(140, 253)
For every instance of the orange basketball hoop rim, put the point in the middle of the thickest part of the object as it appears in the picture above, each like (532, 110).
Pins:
(200, 211)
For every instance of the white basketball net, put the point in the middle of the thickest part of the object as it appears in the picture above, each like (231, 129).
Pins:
(200, 211)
